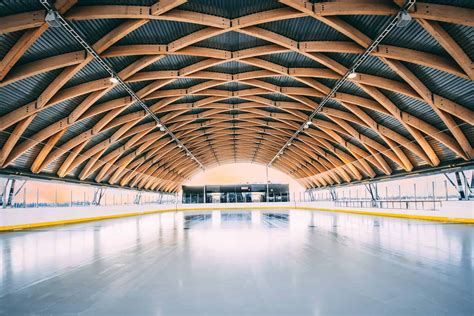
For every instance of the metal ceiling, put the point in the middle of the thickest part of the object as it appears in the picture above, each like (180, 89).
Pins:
(216, 70)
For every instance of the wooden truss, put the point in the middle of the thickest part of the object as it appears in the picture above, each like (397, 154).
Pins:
(332, 151)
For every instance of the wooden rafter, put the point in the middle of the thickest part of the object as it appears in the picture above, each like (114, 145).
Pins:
(333, 151)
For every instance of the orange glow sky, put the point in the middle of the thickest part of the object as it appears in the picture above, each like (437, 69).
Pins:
(52, 191)
(239, 173)
(242, 173)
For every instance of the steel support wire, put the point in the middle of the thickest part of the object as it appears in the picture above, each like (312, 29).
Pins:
(395, 20)
(61, 21)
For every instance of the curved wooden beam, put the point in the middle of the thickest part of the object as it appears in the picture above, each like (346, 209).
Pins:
(146, 159)
(401, 54)
(27, 39)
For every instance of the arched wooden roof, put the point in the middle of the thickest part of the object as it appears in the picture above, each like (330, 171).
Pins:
(234, 80)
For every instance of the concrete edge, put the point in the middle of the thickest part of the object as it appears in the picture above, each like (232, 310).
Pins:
(105, 217)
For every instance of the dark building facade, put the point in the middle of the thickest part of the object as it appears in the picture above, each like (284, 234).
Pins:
(233, 193)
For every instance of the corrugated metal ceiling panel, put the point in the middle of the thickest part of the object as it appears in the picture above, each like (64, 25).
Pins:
(159, 32)
(232, 41)
(24, 91)
(457, 3)
(230, 9)
(415, 107)
(372, 65)
(189, 99)
(52, 114)
(53, 42)
(233, 86)
(7, 41)
(292, 59)
(463, 35)
(183, 83)
(283, 81)
(10, 7)
(304, 29)
(173, 62)
(449, 86)
(232, 67)
(92, 71)
(83, 3)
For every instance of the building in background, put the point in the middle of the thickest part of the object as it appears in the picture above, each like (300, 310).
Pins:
(232, 193)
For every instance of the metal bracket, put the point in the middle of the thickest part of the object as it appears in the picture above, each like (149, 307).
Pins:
(388, 28)
(461, 183)
(57, 20)
(333, 193)
(138, 198)
(374, 193)
(98, 195)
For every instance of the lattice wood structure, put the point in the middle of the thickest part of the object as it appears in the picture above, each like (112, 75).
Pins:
(234, 79)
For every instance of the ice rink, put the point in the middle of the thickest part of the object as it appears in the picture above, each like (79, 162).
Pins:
(240, 263)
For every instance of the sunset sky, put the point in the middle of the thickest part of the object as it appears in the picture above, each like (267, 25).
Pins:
(53, 191)
(239, 173)
(243, 173)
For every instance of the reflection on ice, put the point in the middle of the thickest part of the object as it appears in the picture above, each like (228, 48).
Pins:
(236, 216)
(197, 217)
(277, 216)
